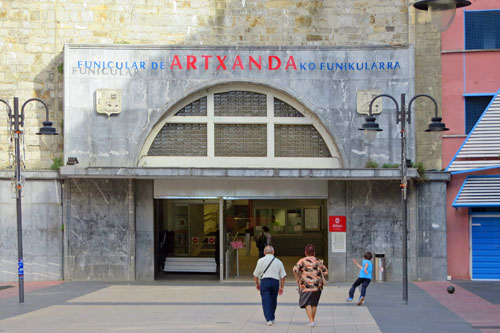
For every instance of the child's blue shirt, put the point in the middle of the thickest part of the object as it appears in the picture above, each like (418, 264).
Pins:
(368, 269)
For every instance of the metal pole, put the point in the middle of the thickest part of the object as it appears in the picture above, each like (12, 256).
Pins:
(20, 264)
(404, 213)
(221, 240)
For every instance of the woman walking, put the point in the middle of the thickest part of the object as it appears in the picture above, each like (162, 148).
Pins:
(310, 274)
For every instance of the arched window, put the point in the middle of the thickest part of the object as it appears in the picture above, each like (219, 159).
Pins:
(240, 127)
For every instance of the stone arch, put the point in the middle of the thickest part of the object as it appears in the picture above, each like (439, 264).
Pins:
(295, 129)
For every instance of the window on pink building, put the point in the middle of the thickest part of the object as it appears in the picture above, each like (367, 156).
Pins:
(482, 29)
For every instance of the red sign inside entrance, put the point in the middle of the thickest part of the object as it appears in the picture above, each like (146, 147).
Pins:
(337, 224)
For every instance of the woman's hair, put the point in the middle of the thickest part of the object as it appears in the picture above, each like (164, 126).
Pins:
(368, 255)
(310, 250)
(266, 229)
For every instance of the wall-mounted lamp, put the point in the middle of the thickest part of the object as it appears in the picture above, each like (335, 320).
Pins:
(72, 161)
(442, 12)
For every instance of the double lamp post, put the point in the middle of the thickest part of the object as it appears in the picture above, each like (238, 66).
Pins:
(370, 127)
(16, 122)
(442, 13)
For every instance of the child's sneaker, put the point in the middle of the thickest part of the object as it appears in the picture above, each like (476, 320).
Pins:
(349, 299)
(361, 299)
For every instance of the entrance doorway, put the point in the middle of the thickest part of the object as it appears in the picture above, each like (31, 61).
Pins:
(189, 240)
(188, 235)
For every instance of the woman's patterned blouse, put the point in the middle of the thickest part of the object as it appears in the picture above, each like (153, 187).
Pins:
(310, 271)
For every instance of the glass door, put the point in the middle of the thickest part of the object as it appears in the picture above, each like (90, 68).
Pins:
(181, 230)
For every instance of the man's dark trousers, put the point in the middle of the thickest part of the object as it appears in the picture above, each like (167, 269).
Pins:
(269, 289)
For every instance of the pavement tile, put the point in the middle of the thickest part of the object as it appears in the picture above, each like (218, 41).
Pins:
(12, 289)
(215, 307)
(474, 309)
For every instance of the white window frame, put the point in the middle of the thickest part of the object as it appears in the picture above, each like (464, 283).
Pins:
(212, 161)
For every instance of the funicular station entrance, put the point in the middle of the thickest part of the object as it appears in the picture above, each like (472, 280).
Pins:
(180, 167)
(189, 233)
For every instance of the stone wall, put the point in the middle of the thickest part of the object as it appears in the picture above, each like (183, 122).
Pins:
(153, 91)
(373, 213)
(41, 227)
(431, 228)
(99, 230)
(144, 231)
(427, 43)
(33, 34)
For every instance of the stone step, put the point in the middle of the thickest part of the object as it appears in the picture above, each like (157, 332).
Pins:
(190, 264)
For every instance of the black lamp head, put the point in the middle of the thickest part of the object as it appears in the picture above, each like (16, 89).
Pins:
(436, 125)
(370, 125)
(72, 161)
(424, 4)
(47, 129)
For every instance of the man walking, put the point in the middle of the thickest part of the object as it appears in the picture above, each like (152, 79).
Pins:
(263, 240)
(269, 276)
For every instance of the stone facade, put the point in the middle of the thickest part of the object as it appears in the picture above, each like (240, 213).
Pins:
(41, 223)
(374, 213)
(34, 33)
(108, 233)
(151, 92)
(427, 81)
(100, 230)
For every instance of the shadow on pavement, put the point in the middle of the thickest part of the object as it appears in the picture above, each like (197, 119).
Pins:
(422, 314)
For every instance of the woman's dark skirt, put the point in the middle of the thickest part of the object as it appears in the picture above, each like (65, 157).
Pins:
(309, 298)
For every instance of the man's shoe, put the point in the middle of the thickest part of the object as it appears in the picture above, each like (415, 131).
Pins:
(311, 324)
(349, 299)
(270, 323)
(361, 299)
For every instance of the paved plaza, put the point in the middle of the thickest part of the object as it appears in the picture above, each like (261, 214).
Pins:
(210, 306)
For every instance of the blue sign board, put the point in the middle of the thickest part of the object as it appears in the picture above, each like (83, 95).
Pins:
(20, 268)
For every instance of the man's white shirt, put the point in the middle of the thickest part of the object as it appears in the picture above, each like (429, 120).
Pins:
(275, 271)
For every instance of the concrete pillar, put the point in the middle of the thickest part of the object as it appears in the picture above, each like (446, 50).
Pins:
(338, 197)
(144, 231)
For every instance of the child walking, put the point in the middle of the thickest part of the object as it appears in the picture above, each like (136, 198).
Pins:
(364, 279)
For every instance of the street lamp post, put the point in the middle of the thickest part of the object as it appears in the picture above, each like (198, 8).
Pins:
(16, 121)
(402, 117)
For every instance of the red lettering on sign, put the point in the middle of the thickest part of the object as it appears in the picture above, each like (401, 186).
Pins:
(291, 63)
(238, 63)
(176, 62)
(278, 63)
(191, 62)
(206, 57)
(221, 62)
(337, 223)
(257, 64)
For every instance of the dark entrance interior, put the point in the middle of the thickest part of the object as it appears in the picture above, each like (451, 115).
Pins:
(187, 232)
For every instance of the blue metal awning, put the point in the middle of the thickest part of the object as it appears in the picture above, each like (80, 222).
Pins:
(479, 191)
(481, 149)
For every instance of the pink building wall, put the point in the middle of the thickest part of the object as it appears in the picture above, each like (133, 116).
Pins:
(458, 230)
(476, 72)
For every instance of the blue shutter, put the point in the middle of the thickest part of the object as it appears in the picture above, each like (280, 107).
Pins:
(486, 248)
